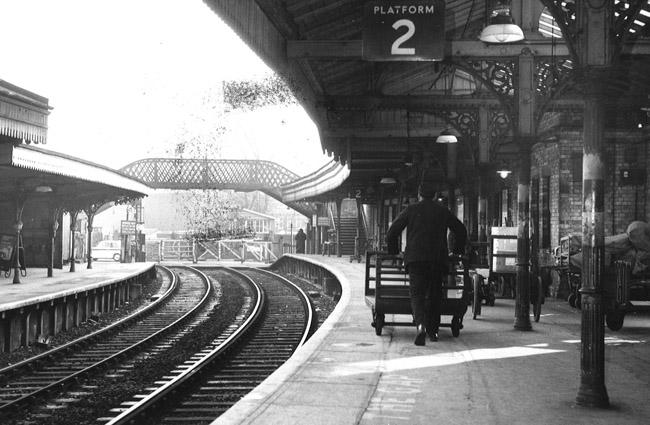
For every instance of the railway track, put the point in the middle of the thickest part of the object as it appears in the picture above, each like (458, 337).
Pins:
(269, 330)
(57, 369)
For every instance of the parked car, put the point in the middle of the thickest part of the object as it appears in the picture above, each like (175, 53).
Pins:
(107, 250)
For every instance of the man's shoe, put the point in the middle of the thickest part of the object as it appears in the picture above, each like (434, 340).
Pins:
(433, 335)
(421, 336)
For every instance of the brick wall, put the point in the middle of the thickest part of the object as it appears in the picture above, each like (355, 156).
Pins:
(626, 200)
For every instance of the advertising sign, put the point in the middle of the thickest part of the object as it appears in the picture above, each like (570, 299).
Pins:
(404, 31)
(7, 244)
(323, 221)
(128, 227)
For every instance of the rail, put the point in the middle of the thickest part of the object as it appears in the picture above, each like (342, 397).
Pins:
(139, 410)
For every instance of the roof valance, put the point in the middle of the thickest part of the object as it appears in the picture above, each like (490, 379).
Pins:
(23, 115)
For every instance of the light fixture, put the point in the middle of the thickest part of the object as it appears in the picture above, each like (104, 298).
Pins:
(501, 28)
(43, 189)
(446, 137)
(387, 180)
(504, 173)
(408, 160)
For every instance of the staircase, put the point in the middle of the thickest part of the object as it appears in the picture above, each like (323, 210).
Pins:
(348, 233)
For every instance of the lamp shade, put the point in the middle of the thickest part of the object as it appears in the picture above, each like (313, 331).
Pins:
(503, 173)
(43, 189)
(502, 28)
(446, 137)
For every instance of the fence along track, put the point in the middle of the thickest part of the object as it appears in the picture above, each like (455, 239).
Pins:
(87, 354)
(280, 322)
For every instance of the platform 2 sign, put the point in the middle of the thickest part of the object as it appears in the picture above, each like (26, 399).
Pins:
(404, 31)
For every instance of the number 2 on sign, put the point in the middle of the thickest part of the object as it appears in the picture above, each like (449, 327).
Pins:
(396, 48)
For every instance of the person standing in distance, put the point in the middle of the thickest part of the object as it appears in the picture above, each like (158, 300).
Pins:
(300, 238)
(426, 255)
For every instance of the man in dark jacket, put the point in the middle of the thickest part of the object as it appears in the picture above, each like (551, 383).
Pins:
(300, 238)
(426, 255)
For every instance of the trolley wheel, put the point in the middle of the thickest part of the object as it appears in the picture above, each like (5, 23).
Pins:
(572, 299)
(476, 302)
(455, 327)
(539, 299)
(378, 322)
(615, 320)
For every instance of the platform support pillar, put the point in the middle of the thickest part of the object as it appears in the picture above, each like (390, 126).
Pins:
(596, 51)
(53, 226)
(18, 227)
(73, 226)
(592, 391)
(525, 133)
(452, 154)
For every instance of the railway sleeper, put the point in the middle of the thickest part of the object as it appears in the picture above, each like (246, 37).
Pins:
(198, 410)
(225, 404)
(189, 419)
(228, 388)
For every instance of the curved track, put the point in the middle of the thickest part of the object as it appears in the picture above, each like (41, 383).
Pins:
(56, 369)
(279, 320)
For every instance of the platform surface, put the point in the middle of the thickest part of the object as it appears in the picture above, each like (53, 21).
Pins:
(491, 374)
(37, 287)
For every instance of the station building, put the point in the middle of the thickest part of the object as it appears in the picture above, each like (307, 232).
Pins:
(39, 186)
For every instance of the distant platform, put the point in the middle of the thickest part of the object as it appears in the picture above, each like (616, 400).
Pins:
(37, 287)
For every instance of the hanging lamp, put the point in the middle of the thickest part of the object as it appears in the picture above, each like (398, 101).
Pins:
(446, 136)
(502, 27)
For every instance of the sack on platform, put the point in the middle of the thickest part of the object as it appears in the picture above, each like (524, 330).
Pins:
(618, 244)
(639, 234)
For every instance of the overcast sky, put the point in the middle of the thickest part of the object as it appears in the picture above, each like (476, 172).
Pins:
(126, 77)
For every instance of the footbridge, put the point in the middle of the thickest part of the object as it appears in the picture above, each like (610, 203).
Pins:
(243, 175)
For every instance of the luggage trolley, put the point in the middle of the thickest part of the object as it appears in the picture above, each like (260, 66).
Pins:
(503, 268)
(624, 294)
(387, 292)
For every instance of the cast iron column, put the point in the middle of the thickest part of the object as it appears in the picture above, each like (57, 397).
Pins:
(526, 133)
(534, 229)
(451, 175)
(73, 224)
(592, 390)
(18, 227)
(522, 299)
(482, 202)
(53, 226)
(89, 227)
(596, 43)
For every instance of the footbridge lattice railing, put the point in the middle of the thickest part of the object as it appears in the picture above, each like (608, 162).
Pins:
(234, 174)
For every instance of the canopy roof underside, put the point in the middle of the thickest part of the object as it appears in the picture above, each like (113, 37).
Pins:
(376, 116)
(69, 181)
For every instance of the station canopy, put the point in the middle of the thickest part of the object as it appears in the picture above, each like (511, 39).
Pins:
(31, 172)
(380, 111)
(36, 172)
